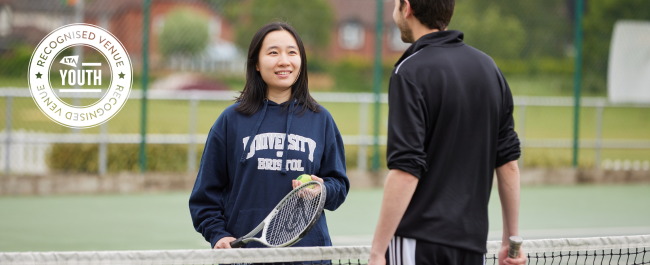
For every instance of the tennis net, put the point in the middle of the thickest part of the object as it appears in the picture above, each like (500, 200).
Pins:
(597, 250)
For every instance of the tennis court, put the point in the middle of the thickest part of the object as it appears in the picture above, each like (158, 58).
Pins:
(162, 220)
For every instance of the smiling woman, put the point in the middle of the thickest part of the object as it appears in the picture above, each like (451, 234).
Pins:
(276, 70)
(258, 146)
(279, 64)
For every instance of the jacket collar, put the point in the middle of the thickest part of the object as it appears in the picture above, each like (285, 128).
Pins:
(447, 38)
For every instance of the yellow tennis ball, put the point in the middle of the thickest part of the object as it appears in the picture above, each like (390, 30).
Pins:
(304, 178)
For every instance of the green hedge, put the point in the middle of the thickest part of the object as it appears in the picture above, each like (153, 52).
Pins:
(84, 158)
(16, 61)
(546, 65)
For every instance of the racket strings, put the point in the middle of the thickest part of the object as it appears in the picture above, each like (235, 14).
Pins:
(294, 216)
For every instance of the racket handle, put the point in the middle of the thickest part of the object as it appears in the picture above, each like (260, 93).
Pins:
(515, 245)
(239, 242)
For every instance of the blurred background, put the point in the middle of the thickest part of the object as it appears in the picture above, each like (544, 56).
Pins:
(195, 63)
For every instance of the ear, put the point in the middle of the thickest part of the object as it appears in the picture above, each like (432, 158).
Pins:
(407, 9)
(257, 67)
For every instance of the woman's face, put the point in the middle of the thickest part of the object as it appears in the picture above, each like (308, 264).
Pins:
(279, 60)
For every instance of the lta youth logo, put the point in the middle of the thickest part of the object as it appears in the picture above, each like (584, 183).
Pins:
(80, 90)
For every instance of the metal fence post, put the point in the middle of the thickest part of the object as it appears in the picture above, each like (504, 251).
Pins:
(599, 133)
(191, 149)
(522, 131)
(103, 152)
(78, 50)
(577, 79)
(379, 22)
(362, 155)
(8, 137)
(145, 80)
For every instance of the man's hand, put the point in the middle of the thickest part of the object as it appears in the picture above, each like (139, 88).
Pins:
(379, 259)
(398, 191)
(508, 182)
(504, 260)
(224, 242)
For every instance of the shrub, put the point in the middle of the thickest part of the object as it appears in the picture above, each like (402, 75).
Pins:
(15, 62)
(184, 33)
(84, 158)
(352, 75)
(544, 65)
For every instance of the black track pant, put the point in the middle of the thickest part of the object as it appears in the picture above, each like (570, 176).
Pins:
(408, 251)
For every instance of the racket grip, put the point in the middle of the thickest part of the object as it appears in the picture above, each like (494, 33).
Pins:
(239, 242)
(515, 245)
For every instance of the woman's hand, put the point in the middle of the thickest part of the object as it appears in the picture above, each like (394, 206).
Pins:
(296, 183)
(224, 242)
(310, 193)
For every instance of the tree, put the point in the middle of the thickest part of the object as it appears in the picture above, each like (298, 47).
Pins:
(312, 19)
(546, 24)
(183, 33)
(498, 35)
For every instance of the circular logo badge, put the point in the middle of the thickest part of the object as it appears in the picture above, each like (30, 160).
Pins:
(80, 75)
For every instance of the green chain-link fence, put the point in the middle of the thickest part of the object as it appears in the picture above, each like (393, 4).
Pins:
(202, 45)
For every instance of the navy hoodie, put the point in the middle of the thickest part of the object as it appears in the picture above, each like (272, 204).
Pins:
(240, 181)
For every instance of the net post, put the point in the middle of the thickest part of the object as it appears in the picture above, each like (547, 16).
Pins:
(8, 136)
(362, 156)
(191, 149)
(103, 142)
(599, 132)
(521, 129)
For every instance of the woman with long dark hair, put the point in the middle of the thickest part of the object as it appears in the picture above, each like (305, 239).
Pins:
(258, 146)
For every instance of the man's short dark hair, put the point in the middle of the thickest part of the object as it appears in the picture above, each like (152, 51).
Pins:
(434, 14)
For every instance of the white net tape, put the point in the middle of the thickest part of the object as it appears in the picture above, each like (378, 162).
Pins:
(187, 256)
(291, 254)
(577, 244)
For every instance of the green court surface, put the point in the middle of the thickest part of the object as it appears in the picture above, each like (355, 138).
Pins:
(162, 220)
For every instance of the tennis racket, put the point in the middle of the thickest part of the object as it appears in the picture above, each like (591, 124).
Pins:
(515, 246)
(291, 219)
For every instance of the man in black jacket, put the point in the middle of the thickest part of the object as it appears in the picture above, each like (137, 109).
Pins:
(450, 126)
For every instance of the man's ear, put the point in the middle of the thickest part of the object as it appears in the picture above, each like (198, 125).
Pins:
(407, 9)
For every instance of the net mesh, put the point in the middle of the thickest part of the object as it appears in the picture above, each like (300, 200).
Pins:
(598, 250)
(295, 215)
(595, 250)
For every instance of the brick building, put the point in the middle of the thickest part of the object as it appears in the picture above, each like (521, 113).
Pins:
(29, 21)
(354, 31)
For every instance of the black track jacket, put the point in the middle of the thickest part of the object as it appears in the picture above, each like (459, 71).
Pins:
(450, 125)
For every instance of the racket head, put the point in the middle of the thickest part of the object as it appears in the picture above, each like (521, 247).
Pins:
(294, 216)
